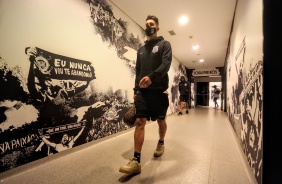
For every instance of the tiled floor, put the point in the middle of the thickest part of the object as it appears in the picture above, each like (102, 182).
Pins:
(200, 148)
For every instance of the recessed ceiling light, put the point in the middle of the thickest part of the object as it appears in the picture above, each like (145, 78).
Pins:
(183, 20)
(195, 47)
(201, 60)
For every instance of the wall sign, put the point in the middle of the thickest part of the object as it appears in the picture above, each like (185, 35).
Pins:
(205, 72)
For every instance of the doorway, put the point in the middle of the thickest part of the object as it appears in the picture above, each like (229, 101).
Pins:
(203, 93)
(219, 86)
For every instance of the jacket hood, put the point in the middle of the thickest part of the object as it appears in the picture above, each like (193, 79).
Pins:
(157, 39)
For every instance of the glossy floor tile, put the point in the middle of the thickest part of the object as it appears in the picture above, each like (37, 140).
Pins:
(200, 148)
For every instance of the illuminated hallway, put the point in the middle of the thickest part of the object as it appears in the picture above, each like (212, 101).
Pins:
(200, 148)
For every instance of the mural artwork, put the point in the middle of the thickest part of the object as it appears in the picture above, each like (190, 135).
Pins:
(245, 108)
(55, 105)
(114, 31)
(174, 104)
(58, 112)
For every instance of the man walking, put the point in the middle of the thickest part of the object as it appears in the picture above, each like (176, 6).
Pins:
(184, 90)
(150, 95)
(216, 93)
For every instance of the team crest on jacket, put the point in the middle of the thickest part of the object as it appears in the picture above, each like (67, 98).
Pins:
(155, 49)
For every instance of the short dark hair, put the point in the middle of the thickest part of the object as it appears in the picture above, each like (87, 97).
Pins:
(153, 17)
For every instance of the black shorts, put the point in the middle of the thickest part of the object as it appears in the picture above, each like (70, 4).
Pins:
(151, 105)
(184, 98)
(215, 99)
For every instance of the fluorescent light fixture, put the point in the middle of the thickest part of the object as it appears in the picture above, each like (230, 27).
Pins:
(201, 60)
(183, 20)
(195, 47)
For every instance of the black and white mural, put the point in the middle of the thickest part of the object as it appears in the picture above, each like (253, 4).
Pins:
(244, 87)
(245, 104)
(61, 108)
(66, 77)
(180, 71)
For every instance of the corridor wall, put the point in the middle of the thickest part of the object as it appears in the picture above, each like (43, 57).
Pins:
(244, 76)
(66, 75)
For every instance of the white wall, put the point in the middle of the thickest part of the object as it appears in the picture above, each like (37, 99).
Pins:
(64, 28)
(245, 82)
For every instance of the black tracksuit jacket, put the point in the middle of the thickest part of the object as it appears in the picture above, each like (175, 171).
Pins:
(154, 60)
(184, 87)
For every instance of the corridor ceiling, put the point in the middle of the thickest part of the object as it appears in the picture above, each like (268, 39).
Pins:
(209, 25)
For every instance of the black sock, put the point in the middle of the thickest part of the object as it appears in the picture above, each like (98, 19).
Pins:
(137, 156)
(161, 142)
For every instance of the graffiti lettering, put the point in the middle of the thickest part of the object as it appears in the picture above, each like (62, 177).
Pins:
(59, 70)
(16, 143)
(62, 128)
(81, 73)
(80, 66)
(59, 63)
(72, 72)
(62, 67)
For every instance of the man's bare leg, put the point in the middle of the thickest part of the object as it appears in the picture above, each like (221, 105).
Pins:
(139, 134)
(180, 108)
(162, 128)
(162, 131)
(187, 107)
